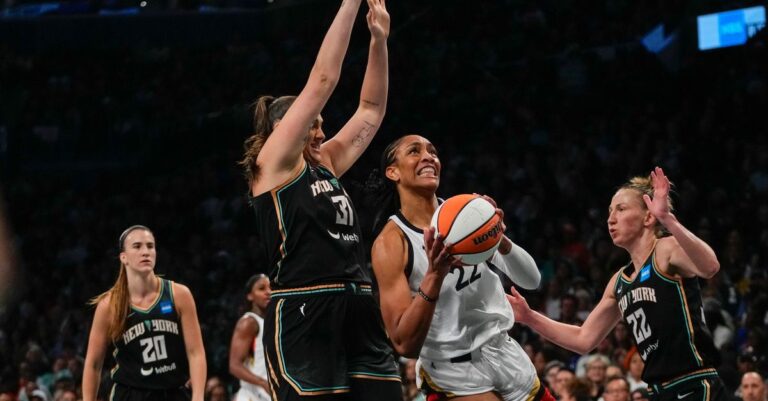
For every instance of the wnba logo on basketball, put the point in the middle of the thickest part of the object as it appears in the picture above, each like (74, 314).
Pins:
(492, 233)
(471, 225)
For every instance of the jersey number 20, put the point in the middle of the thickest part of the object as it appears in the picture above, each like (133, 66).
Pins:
(154, 349)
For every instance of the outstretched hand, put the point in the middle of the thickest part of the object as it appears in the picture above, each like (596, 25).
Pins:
(519, 306)
(659, 205)
(378, 19)
(438, 253)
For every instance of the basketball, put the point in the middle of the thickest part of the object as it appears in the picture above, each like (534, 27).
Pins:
(471, 225)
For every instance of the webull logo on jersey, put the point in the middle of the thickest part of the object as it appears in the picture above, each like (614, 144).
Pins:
(642, 294)
(154, 325)
(322, 186)
(649, 349)
(492, 233)
(158, 369)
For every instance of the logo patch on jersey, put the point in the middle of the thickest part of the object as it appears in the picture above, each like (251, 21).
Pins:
(645, 274)
(146, 372)
(166, 307)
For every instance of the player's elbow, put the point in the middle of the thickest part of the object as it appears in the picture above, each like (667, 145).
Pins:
(711, 269)
(407, 349)
(322, 81)
(234, 368)
(584, 345)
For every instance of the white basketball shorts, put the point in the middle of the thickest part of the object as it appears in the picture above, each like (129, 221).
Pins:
(499, 365)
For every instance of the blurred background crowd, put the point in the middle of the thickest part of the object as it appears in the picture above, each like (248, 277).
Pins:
(545, 106)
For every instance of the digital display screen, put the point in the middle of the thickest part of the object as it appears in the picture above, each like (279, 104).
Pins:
(729, 28)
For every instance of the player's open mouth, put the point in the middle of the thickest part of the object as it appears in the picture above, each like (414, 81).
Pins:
(427, 171)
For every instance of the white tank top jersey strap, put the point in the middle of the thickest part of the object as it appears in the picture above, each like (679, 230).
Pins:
(471, 308)
(256, 365)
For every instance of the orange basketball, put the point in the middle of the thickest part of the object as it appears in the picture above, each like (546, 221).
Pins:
(471, 225)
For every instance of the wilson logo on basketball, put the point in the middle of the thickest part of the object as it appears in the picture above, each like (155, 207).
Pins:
(492, 233)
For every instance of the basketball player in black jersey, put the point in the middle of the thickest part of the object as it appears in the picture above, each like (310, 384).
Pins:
(657, 294)
(152, 323)
(323, 335)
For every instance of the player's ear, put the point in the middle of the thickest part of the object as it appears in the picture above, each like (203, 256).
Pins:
(392, 173)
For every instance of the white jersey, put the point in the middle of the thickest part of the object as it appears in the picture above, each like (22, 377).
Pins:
(472, 307)
(256, 365)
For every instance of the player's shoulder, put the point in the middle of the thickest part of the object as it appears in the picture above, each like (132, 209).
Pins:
(181, 293)
(666, 245)
(102, 303)
(247, 322)
(390, 235)
(389, 243)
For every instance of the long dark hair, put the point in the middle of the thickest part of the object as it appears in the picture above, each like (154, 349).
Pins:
(266, 110)
(381, 192)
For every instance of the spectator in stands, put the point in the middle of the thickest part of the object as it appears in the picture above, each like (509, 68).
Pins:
(753, 387)
(616, 389)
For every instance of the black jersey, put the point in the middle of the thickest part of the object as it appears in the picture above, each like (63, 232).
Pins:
(151, 354)
(310, 231)
(666, 318)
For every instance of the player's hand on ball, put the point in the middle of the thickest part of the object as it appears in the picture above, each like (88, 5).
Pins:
(438, 253)
(498, 211)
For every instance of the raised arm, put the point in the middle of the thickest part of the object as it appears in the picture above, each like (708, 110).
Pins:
(245, 332)
(577, 339)
(97, 348)
(193, 340)
(685, 251)
(351, 141)
(282, 151)
(406, 318)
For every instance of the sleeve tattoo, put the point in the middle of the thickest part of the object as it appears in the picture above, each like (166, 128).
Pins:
(363, 137)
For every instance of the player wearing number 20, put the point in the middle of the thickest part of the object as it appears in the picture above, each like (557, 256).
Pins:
(657, 294)
(153, 325)
(454, 318)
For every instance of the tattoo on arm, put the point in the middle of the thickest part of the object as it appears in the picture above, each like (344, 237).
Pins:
(365, 134)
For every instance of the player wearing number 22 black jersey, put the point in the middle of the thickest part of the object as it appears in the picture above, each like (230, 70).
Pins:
(657, 294)
(152, 323)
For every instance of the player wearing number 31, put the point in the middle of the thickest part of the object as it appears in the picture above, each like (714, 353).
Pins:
(657, 294)
(152, 323)
(454, 318)
(322, 331)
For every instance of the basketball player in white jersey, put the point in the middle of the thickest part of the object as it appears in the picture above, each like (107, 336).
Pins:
(454, 318)
(246, 352)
